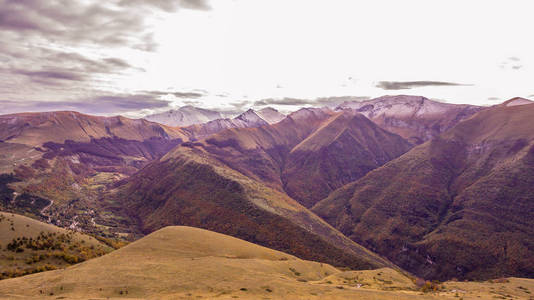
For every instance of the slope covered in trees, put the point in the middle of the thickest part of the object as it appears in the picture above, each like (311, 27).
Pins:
(457, 206)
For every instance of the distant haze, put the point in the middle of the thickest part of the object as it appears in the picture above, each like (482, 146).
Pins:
(140, 57)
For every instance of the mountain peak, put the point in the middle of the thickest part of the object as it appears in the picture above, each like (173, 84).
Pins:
(389, 100)
(517, 101)
(251, 117)
(185, 116)
(398, 106)
(267, 109)
(308, 112)
(270, 115)
(415, 118)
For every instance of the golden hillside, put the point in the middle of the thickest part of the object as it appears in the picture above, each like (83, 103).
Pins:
(191, 263)
(29, 246)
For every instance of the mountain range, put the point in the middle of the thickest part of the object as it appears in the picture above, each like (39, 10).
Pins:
(416, 119)
(186, 116)
(459, 205)
(236, 177)
(190, 115)
(426, 188)
(249, 118)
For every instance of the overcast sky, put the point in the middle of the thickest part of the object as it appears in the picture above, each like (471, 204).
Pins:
(135, 57)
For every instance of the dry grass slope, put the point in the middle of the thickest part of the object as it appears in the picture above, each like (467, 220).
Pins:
(28, 246)
(191, 263)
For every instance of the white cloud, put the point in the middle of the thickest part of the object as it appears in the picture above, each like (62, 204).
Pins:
(257, 49)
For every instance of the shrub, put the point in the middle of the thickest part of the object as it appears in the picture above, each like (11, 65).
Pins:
(429, 286)
(295, 272)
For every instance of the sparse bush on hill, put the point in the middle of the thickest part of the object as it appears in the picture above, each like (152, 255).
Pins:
(426, 286)
(18, 272)
(47, 251)
(112, 242)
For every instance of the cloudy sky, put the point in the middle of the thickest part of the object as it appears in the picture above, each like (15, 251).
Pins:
(136, 57)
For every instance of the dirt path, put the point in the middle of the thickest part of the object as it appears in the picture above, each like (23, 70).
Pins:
(45, 208)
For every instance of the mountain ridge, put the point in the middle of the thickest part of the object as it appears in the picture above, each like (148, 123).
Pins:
(189, 115)
(185, 116)
(343, 166)
(233, 204)
(455, 206)
(416, 118)
(244, 167)
(247, 119)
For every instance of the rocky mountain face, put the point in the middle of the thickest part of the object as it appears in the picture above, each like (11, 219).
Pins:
(189, 115)
(459, 205)
(415, 118)
(270, 115)
(248, 119)
(517, 101)
(185, 116)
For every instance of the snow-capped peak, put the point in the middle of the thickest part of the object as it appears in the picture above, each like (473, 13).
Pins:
(185, 116)
(398, 106)
(270, 115)
(517, 101)
(251, 117)
(308, 112)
